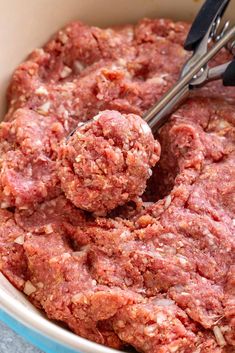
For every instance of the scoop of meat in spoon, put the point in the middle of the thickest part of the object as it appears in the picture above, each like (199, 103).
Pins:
(106, 162)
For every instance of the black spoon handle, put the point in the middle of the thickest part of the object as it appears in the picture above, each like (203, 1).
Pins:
(229, 75)
(203, 21)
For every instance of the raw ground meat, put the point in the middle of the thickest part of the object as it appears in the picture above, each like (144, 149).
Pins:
(107, 161)
(28, 150)
(156, 275)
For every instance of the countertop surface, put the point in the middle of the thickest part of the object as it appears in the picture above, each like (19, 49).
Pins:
(12, 343)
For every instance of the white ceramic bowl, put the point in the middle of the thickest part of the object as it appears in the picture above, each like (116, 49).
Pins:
(25, 25)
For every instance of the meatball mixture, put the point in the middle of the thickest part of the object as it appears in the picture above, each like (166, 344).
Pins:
(156, 275)
(107, 161)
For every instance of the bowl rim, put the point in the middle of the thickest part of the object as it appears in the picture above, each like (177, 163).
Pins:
(24, 312)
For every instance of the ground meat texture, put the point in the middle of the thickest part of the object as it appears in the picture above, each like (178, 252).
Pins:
(201, 131)
(13, 262)
(156, 328)
(153, 275)
(27, 164)
(83, 70)
(107, 162)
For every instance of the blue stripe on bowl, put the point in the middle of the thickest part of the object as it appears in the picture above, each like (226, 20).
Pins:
(42, 342)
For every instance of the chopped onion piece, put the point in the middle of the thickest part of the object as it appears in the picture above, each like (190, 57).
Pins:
(65, 72)
(29, 288)
(44, 108)
(78, 66)
(48, 229)
(41, 90)
(167, 201)
(219, 336)
(164, 302)
(148, 204)
(79, 298)
(19, 240)
(5, 205)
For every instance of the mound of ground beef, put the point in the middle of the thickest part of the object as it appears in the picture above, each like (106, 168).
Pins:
(158, 274)
(107, 161)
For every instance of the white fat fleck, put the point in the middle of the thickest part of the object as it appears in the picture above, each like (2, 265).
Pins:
(147, 204)
(78, 66)
(130, 34)
(173, 348)
(122, 62)
(63, 37)
(223, 124)
(5, 205)
(164, 302)
(63, 112)
(128, 281)
(18, 200)
(79, 298)
(162, 21)
(22, 98)
(65, 256)
(114, 67)
(19, 240)
(198, 350)
(68, 86)
(169, 235)
(167, 201)
(48, 229)
(150, 330)
(100, 96)
(182, 259)
(40, 285)
(124, 234)
(39, 51)
(66, 125)
(13, 130)
(225, 328)
(29, 288)
(65, 72)
(210, 238)
(160, 318)
(97, 116)
(20, 131)
(44, 108)
(170, 250)
(157, 80)
(120, 324)
(24, 207)
(78, 158)
(146, 129)
(41, 91)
